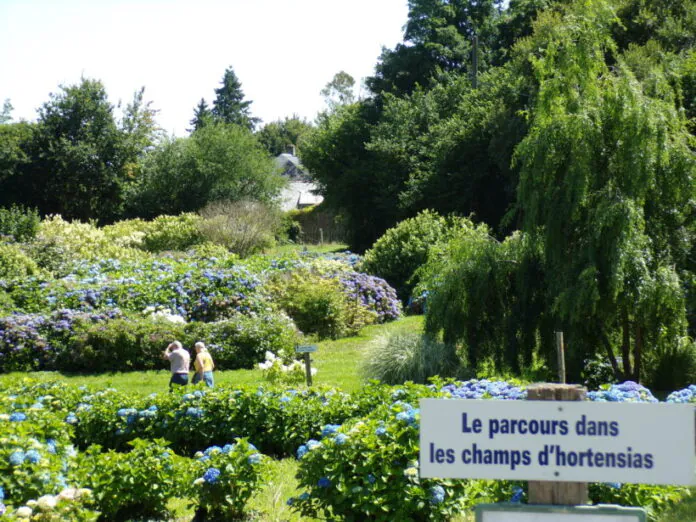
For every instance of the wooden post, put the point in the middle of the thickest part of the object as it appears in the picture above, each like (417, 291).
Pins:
(557, 493)
(560, 353)
(321, 236)
(308, 368)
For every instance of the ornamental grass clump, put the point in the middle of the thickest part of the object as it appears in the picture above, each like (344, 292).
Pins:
(401, 357)
(226, 478)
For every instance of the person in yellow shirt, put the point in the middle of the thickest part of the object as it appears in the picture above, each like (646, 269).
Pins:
(204, 365)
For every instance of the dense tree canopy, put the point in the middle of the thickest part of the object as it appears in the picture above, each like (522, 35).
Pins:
(218, 162)
(278, 136)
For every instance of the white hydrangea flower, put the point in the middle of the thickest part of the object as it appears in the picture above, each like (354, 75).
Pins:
(47, 502)
(24, 512)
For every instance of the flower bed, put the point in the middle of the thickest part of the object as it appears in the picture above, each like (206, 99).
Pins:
(357, 453)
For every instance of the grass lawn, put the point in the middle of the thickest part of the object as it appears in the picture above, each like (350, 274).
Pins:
(338, 365)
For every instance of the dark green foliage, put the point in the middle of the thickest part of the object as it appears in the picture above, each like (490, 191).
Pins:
(488, 297)
(242, 341)
(119, 345)
(229, 105)
(201, 115)
(355, 182)
(19, 223)
(77, 160)
(218, 162)
(606, 187)
(279, 136)
(674, 368)
(403, 249)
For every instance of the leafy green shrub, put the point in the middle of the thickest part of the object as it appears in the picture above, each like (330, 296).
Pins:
(367, 469)
(401, 357)
(404, 248)
(30, 467)
(242, 341)
(73, 241)
(122, 344)
(244, 227)
(227, 478)
(172, 233)
(654, 499)
(19, 223)
(318, 305)
(137, 484)
(598, 371)
(672, 369)
(15, 264)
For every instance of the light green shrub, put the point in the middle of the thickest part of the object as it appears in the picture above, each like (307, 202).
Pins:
(60, 243)
(172, 233)
(404, 248)
(402, 357)
(19, 223)
(15, 264)
(318, 305)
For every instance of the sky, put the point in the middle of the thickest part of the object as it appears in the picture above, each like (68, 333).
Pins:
(283, 51)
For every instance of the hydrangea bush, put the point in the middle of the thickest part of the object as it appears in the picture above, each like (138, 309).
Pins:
(227, 477)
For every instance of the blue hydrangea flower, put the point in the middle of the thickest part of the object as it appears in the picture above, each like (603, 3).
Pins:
(194, 412)
(517, 494)
(437, 495)
(2, 494)
(254, 458)
(341, 439)
(17, 458)
(290, 501)
(227, 448)
(71, 418)
(371, 478)
(381, 431)
(3, 508)
(17, 416)
(323, 482)
(302, 451)
(33, 456)
(304, 496)
(311, 444)
(212, 450)
(329, 429)
(212, 475)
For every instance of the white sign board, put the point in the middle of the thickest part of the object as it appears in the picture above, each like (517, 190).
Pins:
(557, 441)
(536, 513)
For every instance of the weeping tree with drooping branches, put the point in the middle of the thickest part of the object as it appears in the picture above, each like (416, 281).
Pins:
(606, 188)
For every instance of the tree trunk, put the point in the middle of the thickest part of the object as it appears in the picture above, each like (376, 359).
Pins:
(612, 357)
(637, 353)
(626, 344)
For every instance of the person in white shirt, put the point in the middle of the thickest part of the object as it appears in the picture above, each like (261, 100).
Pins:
(179, 362)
